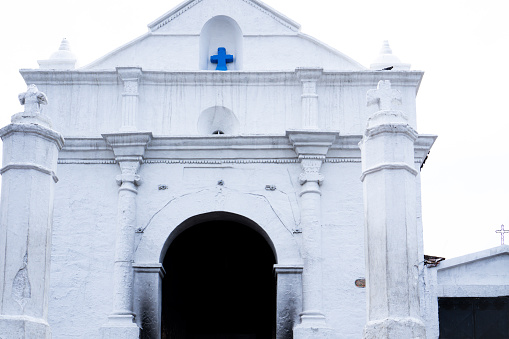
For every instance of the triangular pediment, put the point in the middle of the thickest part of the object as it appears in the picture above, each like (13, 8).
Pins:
(258, 37)
(180, 12)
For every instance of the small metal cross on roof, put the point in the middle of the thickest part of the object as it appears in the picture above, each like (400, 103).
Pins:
(502, 231)
(221, 59)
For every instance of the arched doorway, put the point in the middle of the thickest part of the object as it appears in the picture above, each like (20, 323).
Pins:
(219, 283)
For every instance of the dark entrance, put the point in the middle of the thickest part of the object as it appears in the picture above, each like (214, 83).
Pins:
(219, 284)
(474, 318)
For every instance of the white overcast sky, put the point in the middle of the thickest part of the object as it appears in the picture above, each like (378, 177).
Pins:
(463, 47)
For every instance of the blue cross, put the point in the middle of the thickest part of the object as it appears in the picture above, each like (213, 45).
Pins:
(221, 59)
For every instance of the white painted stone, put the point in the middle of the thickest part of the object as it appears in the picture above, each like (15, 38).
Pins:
(391, 247)
(30, 155)
(129, 149)
(279, 168)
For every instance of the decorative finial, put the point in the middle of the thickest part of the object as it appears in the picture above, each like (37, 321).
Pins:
(32, 99)
(64, 58)
(386, 49)
(64, 45)
(387, 61)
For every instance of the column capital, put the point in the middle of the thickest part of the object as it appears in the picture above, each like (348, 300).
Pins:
(129, 73)
(311, 144)
(128, 146)
(150, 268)
(288, 268)
(311, 171)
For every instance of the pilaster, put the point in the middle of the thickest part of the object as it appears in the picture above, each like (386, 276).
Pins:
(130, 77)
(311, 148)
(289, 299)
(30, 153)
(309, 97)
(391, 246)
(129, 149)
(148, 295)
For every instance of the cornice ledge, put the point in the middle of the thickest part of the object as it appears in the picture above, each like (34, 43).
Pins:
(39, 130)
(389, 166)
(128, 146)
(65, 77)
(392, 128)
(311, 144)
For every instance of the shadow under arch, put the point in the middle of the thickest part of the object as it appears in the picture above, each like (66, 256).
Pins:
(274, 223)
(215, 216)
(219, 280)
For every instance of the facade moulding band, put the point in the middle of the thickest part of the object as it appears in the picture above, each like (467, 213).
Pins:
(391, 166)
(208, 161)
(29, 166)
(212, 78)
(177, 150)
(403, 129)
(86, 162)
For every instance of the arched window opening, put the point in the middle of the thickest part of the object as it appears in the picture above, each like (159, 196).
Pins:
(217, 120)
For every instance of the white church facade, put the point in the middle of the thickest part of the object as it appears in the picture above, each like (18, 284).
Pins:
(221, 195)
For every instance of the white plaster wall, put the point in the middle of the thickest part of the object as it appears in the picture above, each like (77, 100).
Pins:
(482, 272)
(270, 43)
(170, 106)
(343, 248)
(87, 109)
(175, 109)
(84, 226)
(260, 53)
(83, 250)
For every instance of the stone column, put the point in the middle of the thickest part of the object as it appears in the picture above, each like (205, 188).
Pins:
(311, 148)
(30, 154)
(129, 149)
(391, 244)
(148, 296)
(130, 77)
(309, 77)
(289, 299)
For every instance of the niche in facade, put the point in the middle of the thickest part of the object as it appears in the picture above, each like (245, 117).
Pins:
(218, 120)
(220, 31)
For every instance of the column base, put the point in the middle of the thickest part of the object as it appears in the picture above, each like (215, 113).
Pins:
(23, 327)
(120, 327)
(313, 326)
(395, 328)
